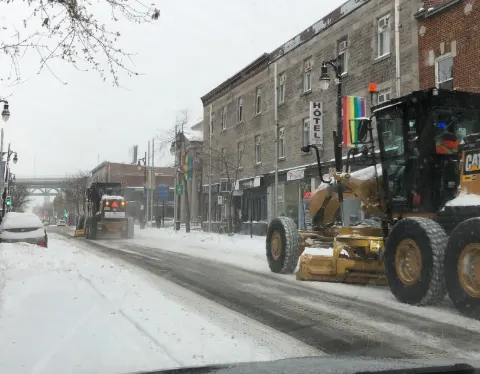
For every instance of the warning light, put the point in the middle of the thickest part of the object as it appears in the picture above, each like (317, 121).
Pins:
(307, 195)
(107, 203)
(372, 87)
(114, 204)
(123, 203)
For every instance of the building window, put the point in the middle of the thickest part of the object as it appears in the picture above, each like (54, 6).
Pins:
(384, 96)
(444, 72)
(258, 101)
(239, 154)
(281, 142)
(281, 89)
(343, 55)
(307, 75)
(240, 110)
(224, 118)
(258, 149)
(306, 132)
(384, 36)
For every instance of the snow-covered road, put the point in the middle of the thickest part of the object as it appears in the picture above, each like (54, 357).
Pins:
(65, 309)
(334, 318)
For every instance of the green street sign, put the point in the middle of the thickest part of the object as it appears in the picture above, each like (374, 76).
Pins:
(179, 189)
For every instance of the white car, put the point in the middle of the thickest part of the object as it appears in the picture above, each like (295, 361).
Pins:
(23, 227)
(61, 223)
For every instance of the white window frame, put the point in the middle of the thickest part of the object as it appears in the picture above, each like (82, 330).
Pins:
(380, 32)
(258, 100)
(344, 53)
(282, 78)
(307, 75)
(281, 143)
(437, 61)
(240, 110)
(384, 93)
(305, 131)
(224, 118)
(258, 149)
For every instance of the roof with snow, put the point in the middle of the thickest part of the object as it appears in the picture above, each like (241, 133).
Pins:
(432, 7)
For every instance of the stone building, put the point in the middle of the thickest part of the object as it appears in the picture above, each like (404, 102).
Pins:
(190, 143)
(371, 46)
(449, 49)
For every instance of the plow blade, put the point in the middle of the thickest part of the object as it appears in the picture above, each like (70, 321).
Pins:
(354, 260)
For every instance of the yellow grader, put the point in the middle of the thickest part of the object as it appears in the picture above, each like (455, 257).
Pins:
(105, 213)
(420, 197)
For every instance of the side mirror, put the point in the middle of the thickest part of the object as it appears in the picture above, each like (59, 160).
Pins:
(362, 130)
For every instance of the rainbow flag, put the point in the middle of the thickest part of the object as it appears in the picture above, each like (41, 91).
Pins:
(187, 162)
(352, 107)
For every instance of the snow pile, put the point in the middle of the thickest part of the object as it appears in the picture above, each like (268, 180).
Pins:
(236, 249)
(318, 251)
(67, 310)
(367, 173)
(464, 199)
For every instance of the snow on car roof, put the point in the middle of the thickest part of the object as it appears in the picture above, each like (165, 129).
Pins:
(21, 220)
(112, 197)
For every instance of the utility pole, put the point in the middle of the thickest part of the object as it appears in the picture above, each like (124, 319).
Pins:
(153, 179)
(149, 182)
(275, 111)
(210, 172)
(176, 182)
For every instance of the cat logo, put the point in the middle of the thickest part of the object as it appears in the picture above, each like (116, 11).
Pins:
(472, 162)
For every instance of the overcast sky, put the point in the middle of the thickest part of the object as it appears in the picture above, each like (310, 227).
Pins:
(193, 47)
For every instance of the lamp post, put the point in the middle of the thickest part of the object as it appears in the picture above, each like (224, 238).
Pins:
(139, 167)
(5, 117)
(8, 178)
(324, 85)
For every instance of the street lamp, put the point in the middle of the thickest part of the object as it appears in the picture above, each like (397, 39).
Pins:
(139, 167)
(335, 64)
(5, 111)
(15, 158)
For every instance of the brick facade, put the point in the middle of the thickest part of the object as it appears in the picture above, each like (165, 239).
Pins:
(355, 21)
(450, 28)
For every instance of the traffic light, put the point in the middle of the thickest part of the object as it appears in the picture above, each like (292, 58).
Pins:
(65, 214)
(8, 201)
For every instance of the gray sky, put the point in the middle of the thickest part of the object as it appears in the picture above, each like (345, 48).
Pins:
(193, 47)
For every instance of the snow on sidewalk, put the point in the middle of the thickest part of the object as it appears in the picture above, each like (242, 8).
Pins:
(64, 309)
(249, 253)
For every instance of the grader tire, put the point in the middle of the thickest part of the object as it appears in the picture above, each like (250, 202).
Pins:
(282, 245)
(414, 258)
(464, 245)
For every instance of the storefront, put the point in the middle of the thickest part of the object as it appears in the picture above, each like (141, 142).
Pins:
(253, 199)
(216, 207)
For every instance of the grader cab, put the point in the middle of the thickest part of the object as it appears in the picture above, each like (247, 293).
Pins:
(420, 198)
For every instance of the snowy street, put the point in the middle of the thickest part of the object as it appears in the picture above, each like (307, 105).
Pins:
(65, 307)
(167, 299)
(334, 318)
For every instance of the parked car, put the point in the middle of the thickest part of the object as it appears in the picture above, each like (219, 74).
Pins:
(23, 227)
(61, 222)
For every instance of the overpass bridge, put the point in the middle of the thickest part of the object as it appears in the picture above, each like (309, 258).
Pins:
(41, 186)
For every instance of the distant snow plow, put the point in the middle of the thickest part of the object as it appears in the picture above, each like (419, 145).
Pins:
(418, 240)
(106, 213)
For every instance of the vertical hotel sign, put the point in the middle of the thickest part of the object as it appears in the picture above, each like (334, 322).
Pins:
(316, 123)
(352, 107)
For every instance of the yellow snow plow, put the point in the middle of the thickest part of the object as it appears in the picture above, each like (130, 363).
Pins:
(416, 209)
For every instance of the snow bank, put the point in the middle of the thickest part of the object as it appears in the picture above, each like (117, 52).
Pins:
(464, 199)
(67, 310)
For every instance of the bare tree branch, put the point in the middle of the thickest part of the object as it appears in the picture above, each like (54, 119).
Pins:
(69, 30)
